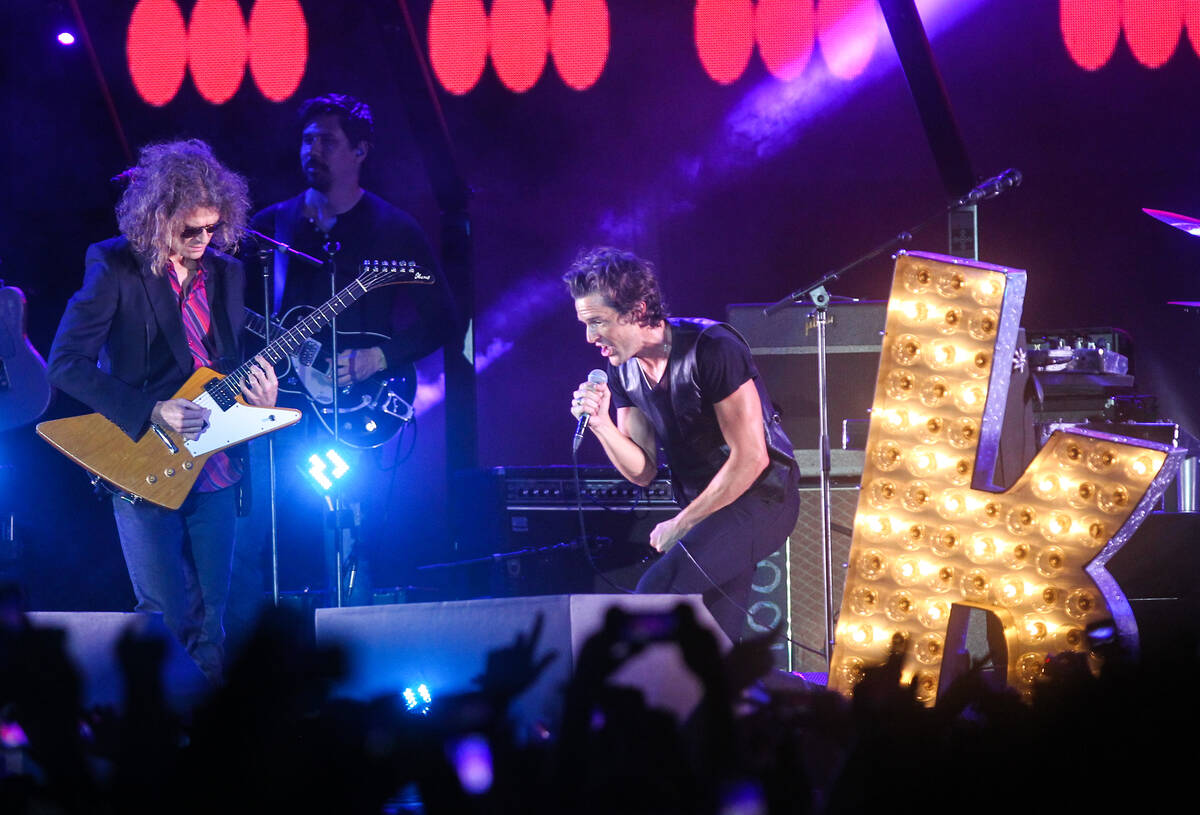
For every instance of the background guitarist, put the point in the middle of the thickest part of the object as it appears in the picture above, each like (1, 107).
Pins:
(335, 213)
(156, 303)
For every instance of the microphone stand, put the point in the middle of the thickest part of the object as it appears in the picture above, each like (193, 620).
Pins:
(267, 247)
(264, 255)
(818, 295)
(331, 248)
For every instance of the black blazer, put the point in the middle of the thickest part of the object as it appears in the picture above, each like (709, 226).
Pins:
(120, 347)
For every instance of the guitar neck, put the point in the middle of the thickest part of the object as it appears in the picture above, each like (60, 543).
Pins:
(290, 340)
(374, 274)
(256, 324)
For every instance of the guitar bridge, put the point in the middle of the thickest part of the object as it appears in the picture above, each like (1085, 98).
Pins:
(100, 485)
(164, 438)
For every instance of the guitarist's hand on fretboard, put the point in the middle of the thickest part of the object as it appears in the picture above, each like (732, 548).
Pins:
(356, 364)
(260, 387)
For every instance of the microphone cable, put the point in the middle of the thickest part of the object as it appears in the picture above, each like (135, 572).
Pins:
(583, 536)
(587, 551)
(737, 605)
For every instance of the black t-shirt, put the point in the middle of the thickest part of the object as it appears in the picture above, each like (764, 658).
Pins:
(416, 319)
(723, 364)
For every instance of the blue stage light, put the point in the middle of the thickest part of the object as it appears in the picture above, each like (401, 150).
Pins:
(417, 700)
(340, 467)
(65, 38)
(326, 468)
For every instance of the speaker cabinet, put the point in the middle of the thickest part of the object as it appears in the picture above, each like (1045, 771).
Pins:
(784, 346)
(1158, 569)
(806, 582)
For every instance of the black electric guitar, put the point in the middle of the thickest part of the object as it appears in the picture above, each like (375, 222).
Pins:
(370, 412)
(24, 389)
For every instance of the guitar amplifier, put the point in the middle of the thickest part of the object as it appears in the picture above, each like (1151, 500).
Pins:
(532, 511)
(518, 532)
(784, 346)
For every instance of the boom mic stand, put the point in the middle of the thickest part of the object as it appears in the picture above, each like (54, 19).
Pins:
(818, 295)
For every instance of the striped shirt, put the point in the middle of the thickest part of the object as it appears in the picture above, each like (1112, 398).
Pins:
(220, 471)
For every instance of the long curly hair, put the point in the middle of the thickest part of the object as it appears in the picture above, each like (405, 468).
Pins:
(169, 182)
(622, 278)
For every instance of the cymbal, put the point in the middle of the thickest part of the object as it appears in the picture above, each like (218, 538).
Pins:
(1187, 223)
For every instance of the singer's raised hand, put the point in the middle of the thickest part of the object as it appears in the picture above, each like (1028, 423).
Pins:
(593, 399)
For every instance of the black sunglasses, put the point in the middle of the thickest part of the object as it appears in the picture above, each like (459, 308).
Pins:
(190, 232)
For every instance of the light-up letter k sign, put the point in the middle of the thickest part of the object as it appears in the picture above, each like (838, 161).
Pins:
(930, 532)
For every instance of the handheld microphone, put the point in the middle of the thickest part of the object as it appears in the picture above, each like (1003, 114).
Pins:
(596, 377)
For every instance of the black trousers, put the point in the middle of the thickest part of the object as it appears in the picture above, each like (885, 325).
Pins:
(728, 546)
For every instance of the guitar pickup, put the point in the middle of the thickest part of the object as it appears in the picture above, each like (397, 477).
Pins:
(308, 352)
(224, 397)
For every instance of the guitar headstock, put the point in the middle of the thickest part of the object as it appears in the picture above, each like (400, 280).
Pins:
(376, 273)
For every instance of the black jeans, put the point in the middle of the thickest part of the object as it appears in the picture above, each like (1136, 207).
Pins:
(728, 546)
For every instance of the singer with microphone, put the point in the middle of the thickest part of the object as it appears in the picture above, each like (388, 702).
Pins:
(689, 387)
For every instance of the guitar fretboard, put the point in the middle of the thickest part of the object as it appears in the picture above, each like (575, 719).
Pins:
(287, 342)
(374, 275)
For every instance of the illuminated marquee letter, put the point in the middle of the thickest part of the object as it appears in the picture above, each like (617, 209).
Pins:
(927, 536)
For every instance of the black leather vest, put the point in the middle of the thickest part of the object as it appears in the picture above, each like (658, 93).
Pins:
(686, 424)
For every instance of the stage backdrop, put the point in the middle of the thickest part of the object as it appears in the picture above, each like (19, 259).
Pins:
(746, 147)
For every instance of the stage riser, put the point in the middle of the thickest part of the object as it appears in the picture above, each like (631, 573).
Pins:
(445, 646)
(91, 639)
